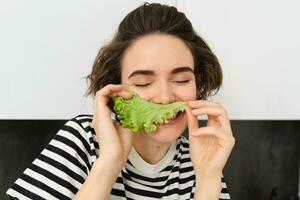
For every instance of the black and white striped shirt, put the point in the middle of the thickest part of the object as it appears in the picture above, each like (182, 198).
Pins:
(64, 164)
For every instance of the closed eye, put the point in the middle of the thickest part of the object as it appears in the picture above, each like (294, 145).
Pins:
(185, 81)
(142, 85)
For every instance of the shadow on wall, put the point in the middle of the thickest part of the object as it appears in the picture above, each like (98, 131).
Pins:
(266, 155)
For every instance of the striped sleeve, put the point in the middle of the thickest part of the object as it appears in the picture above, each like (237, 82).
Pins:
(59, 170)
(224, 192)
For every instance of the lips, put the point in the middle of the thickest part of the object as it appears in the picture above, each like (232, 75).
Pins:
(173, 121)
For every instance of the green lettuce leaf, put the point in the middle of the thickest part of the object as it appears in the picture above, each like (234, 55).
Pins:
(138, 114)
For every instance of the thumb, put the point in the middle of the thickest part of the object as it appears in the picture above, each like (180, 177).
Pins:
(192, 120)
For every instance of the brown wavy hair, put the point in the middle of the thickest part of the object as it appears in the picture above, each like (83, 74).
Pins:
(155, 18)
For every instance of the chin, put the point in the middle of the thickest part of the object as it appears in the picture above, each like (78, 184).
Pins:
(171, 131)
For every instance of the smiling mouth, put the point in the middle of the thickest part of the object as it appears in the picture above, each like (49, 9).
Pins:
(173, 119)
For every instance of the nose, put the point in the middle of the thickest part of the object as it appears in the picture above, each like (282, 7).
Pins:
(163, 94)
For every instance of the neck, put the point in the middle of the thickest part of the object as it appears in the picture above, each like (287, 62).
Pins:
(150, 150)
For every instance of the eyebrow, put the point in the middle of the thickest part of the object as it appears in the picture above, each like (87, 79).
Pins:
(150, 72)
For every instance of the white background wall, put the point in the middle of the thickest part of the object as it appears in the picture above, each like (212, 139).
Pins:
(47, 47)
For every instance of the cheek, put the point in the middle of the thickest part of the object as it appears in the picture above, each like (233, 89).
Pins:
(143, 93)
(187, 94)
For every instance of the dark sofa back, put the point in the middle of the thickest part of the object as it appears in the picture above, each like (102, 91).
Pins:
(265, 156)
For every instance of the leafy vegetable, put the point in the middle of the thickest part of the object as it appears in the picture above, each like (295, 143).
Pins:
(138, 114)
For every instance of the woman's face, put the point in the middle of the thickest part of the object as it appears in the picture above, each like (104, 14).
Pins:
(160, 69)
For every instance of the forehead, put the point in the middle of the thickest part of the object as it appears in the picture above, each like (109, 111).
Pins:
(157, 52)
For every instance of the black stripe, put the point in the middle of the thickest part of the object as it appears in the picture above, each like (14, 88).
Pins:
(179, 191)
(25, 192)
(61, 167)
(182, 170)
(92, 141)
(43, 186)
(171, 181)
(187, 179)
(78, 135)
(143, 192)
(186, 169)
(87, 129)
(137, 176)
(119, 180)
(168, 168)
(160, 179)
(224, 190)
(185, 145)
(78, 150)
(158, 194)
(128, 161)
(192, 193)
(178, 145)
(93, 131)
(68, 157)
(117, 192)
(54, 178)
(79, 122)
(185, 152)
(185, 160)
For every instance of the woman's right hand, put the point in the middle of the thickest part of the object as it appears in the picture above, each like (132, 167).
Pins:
(115, 141)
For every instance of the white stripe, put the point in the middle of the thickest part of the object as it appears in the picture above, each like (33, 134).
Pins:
(50, 183)
(34, 189)
(84, 117)
(77, 127)
(173, 196)
(224, 196)
(86, 124)
(182, 156)
(76, 140)
(177, 196)
(181, 186)
(73, 138)
(166, 188)
(134, 196)
(139, 186)
(64, 162)
(161, 174)
(185, 165)
(16, 194)
(118, 186)
(224, 185)
(57, 172)
(69, 150)
(115, 197)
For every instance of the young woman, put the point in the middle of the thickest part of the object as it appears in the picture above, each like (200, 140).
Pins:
(157, 54)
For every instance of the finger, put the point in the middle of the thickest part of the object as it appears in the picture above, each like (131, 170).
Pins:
(106, 92)
(217, 112)
(192, 120)
(199, 103)
(125, 94)
(110, 88)
(224, 137)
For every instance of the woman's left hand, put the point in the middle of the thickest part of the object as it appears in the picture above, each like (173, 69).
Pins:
(210, 146)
